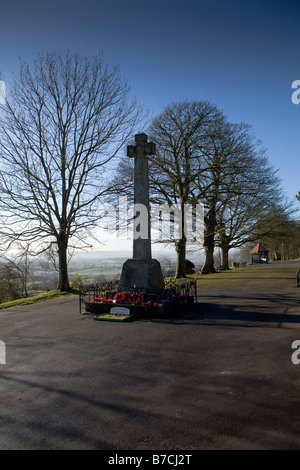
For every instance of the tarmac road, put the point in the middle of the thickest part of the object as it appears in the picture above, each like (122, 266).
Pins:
(218, 376)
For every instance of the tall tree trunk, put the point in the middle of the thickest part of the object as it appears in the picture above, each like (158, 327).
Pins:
(209, 242)
(63, 279)
(224, 244)
(181, 252)
(209, 265)
(224, 256)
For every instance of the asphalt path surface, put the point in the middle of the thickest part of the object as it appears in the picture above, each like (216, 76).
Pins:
(218, 376)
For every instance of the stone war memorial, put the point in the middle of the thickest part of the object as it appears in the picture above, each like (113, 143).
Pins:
(141, 271)
(141, 290)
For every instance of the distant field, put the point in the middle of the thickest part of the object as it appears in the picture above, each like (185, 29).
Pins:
(107, 267)
(110, 268)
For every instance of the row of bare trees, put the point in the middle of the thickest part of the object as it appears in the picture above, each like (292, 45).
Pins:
(204, 158)
(61, 127)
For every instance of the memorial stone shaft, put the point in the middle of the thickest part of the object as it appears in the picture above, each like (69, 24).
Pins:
(141, 272)
(141, 224)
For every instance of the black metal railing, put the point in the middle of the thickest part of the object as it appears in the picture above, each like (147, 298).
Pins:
(100, 298)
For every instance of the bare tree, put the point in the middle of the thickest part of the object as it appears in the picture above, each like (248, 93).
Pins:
(279, 230)
(213, 165)
(239, 218)
(179, 132)
(240, 187)
(66, 119)
(20, 264)
(237, 185)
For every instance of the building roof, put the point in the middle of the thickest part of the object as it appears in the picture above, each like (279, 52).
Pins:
(259, 248)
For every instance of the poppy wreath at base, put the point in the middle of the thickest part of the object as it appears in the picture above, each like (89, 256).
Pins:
(136, 299)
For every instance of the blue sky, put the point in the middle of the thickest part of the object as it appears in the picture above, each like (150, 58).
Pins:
(241, 55)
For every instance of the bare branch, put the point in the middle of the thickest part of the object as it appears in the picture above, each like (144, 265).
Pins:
(67, 119)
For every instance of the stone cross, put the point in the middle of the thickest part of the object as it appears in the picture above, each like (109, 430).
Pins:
(141, 272)
(141, 224)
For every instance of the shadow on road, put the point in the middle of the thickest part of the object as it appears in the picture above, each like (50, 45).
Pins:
(233, 315)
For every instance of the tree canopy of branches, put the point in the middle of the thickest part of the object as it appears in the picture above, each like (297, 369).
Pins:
(179, 133)
(67, 117)
(202, 157)
(280, 232)
(237, 185)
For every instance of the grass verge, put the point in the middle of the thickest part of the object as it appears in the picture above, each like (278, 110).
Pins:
(37, 298)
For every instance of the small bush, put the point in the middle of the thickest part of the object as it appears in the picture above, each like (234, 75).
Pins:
(10, 288)
(76, 281)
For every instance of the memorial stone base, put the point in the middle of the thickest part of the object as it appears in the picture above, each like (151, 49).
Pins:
(143, 274)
